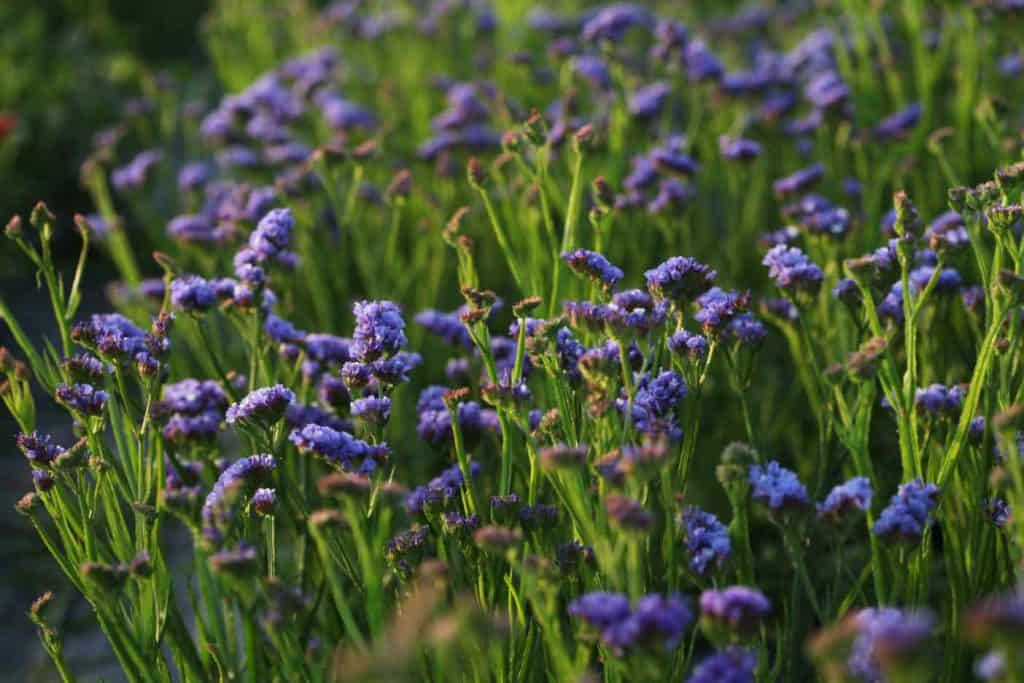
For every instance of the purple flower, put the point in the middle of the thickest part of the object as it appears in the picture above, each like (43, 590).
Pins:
(776, 486)
(680, 279)
(896, 126)
(799, 182)
(448, 326)
(593, 70)
(193, 176)
(83, 398)
(263, 501)
(634, 312)
(440, 491)
(192, 396)
(746, 330)
(854, 494)
(792, 270)
(372, 409)
(718, 307)
(909, 512)
(887, 634)
(707, 539)
(39, 448)
(728, 666)
(593, 265)
(738, 608)
(192, 294)
(672, 194)
(827, 91)
(694, 346)
(648, 101)
(612, 22)
(600, 609)
(263, 406)
(338, 448)
(739, 149)
(134, 174)
(217, 507)
(380, 330)
(656, 622)
(937, 400)
(701, 64)
(627, 513)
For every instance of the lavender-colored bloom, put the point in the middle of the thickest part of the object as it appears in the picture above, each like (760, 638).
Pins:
(38, 448)
(854, 494)
(593, 70)
(799, 182)
(634, 312)
(792, 270)
(648, 101)
(372, 409)
(134, 174)
(847, 291)
(827, 91)
(701, 64)
(746, 330)
(707, 540)
(948, 281)
(282, 331)
(192, 294)
(193, 229)
(628, 514)
(338, 448)
(656, 622)
(886, 634)
(909, 512)
(672, 194)
(238, 156)
(593, 265)
(181, 428)
(612, 22)
(718, 307)
(739, 608)
(694, 346)
(263, 501)
(992, 665)
(739, 149)
(262, 406)
(447, 326)
(600, 609)
(43, 480)
(728, 666)
(83, 398)
(668, 159)
(937, 400)
(252, 469)
(776, 486)
(380, 330)
(440, 491)
(897, 125)
(395, 370)
(193, 176)
(87, 368)
(680, 279)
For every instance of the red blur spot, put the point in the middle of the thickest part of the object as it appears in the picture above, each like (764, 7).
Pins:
(8, 122)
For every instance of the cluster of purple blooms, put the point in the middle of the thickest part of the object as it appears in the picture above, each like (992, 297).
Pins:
(193, 411)
(261, 407)
(219, 506)
(655, 622)
(707, 540)
(909, 512)
(340, 449)
(777, 487)
(440, 491)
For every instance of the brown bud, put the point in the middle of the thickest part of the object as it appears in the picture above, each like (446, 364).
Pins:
(400, 185)
(41, 216)
(523, 308)
(476, 173)
(365, 151)
(14, 227)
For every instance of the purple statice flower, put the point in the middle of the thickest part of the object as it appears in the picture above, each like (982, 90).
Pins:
(193, 176)
(194, 229)
(181, 428)
(324, 351)
(886, 634)
(998, 512)
(948, 231)
(627, 513)
(372, 409)
(600, 609)
(655, 402)
(85, 367)
(909, 512)
(647, 102)
(282, 331)
(680, 279)
(192, 294)
(241, 473)
(569, 351)
(263, 406)
(949, 280)
(194, 409)
(819, 216)
(111, 334)
(134, 174)
(380, 330)
(458, 524)
(707, 540)
(338, 448)
(776, 486)
(38, 448)
(593, 265)
(440, 490)
(657, 622)
(672, 194)
(827, 91)
(634, 312)
(263, 501)
(799, 182)
(447, 326)
(738, 149)
(992, 665)
(701, 64)
(83, 398)
(334, 391)
(718, 307)
(792, 270)
(586, 315)
(891, 307)
(694, 346)
(395, 370)
(238, 156)
(298, 415)
(846, 290)
(593, 70)
(898, 125)
(733, 665)
(671, 160)
(343, 114)
(43, 480)
(268, 242)
(854, 494)
(611, 23)
(738, 608)
(745, 330)
(937, 400)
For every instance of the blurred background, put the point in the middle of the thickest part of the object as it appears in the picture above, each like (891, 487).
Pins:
(69, 67)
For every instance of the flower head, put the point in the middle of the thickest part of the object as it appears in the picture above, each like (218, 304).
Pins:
(776, 486)
(909, 512)
(263, 406)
